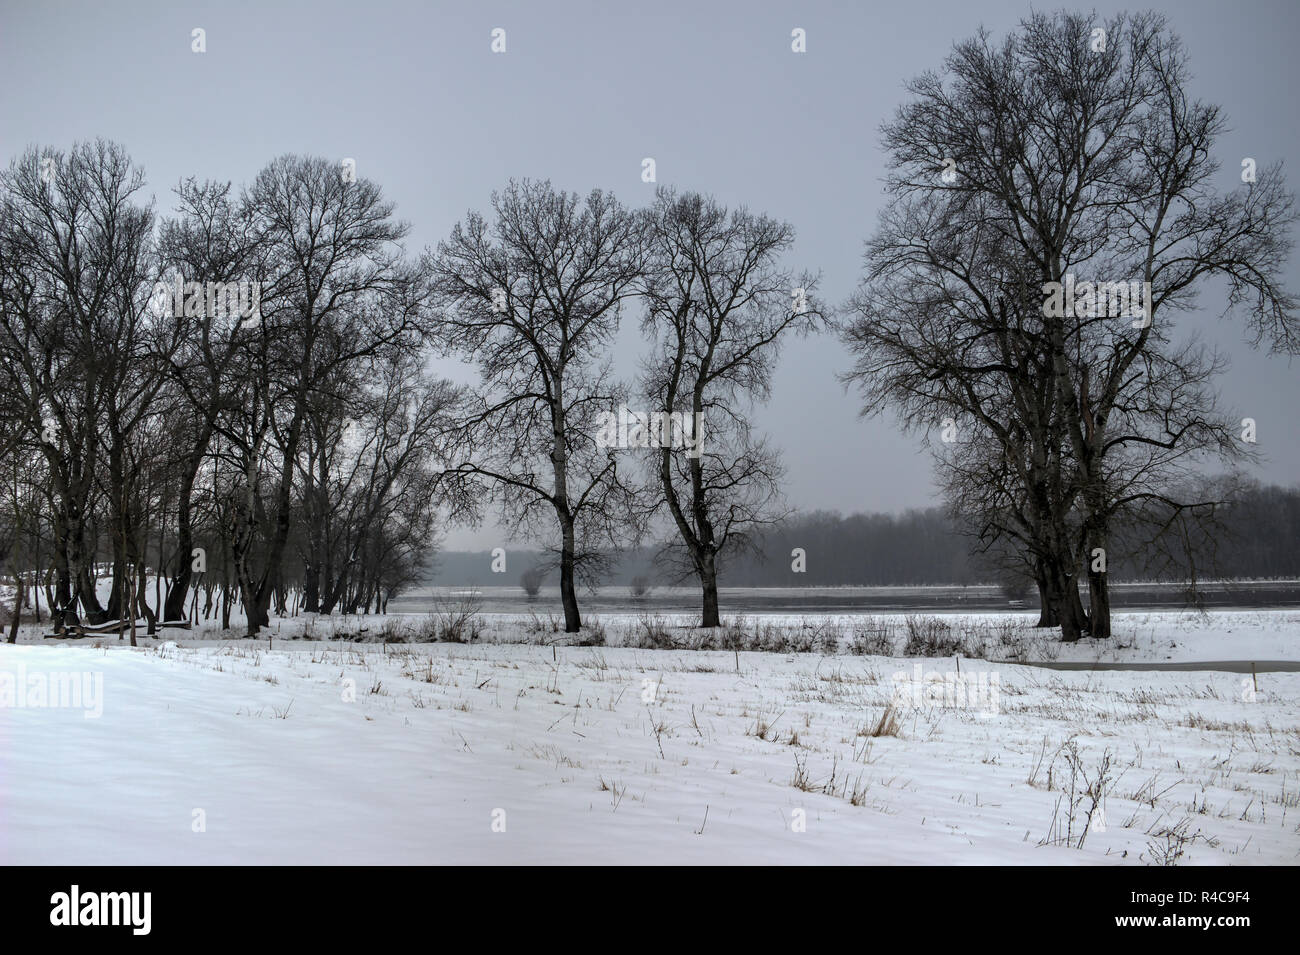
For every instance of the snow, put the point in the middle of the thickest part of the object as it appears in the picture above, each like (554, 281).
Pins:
(622, 755)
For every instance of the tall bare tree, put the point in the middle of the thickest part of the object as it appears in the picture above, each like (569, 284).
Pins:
(80, 346)
(719, 306)
(334, 290)
(1072, 151)
(209, 240)
(534, 298)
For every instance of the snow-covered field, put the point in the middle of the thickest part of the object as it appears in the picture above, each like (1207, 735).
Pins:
(318, 751)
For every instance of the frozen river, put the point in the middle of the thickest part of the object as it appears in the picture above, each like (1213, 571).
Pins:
(1231, 595)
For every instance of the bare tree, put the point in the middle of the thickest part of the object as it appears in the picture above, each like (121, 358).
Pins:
(210, 240)
(334, 290)
(948, 333)
(719, 306)
(534, 299)
(368, 470)
(79, 344)
(1072, 152)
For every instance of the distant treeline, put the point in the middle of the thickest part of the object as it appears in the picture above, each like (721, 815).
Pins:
(1259, 537)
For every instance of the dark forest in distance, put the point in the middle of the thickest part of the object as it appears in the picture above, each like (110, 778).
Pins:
(917, 547)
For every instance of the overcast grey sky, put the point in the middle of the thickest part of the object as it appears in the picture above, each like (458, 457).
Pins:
(585, 91)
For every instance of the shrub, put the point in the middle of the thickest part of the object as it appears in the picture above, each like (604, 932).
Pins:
(592, 634)
(531, 580)
(873, 639)
(930, 637)
(652, 634)
(456, 620)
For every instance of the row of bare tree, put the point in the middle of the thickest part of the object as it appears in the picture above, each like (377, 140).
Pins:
(535, 298)
(290, 441)
(298, 441)
(290, 438)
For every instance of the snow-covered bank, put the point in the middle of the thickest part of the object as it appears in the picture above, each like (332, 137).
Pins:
(420, 753)
(1148, 637)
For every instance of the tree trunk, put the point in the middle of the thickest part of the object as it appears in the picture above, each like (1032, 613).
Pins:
(1098, 605)
(1074, 620)
(310, 589)
(52, 600)
(117, 595)
(1064, 597)
(709, 584)
(18, 610)
(568, 593)
(256, 607)
(142, 602)
(61, 605)
(1047, 615)
(85, 587)
(178, 587)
